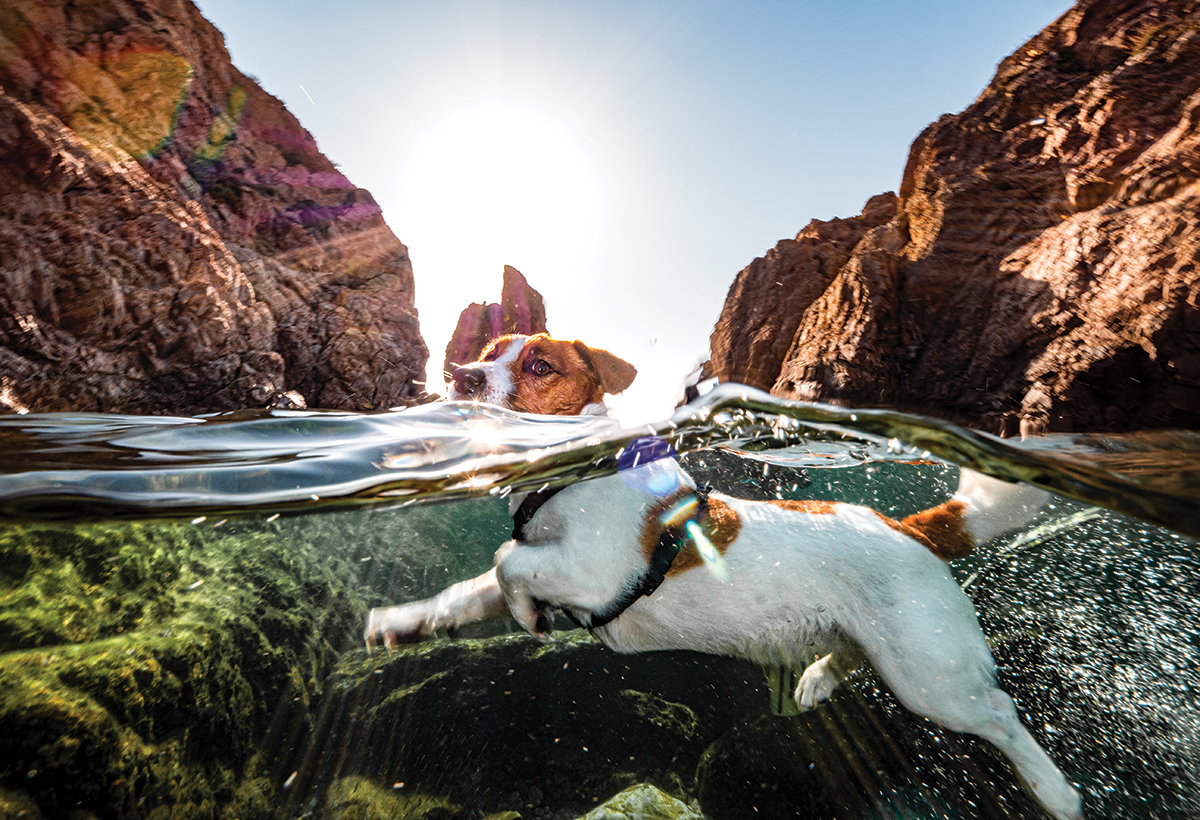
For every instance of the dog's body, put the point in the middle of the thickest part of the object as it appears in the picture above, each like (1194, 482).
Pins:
(796, 576)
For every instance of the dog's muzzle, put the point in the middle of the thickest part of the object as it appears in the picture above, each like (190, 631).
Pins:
(469, 382)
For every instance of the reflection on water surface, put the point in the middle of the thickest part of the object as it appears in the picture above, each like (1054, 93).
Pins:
(181, 623)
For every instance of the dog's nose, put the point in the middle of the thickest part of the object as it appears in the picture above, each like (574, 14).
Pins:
(468, 381)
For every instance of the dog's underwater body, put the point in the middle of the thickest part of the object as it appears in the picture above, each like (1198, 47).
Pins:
(624, 556)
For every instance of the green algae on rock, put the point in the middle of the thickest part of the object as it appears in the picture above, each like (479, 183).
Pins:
(357, 798)
(142, 662)
(511, 724)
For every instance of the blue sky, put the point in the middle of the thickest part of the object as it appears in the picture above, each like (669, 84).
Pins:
(628, 157)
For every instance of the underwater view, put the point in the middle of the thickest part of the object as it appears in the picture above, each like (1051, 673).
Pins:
(183, 604)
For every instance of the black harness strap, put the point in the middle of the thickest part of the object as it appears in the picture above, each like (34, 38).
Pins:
(529, 507)
(670, 542)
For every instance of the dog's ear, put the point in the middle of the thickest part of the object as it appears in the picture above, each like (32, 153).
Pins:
(615, 373)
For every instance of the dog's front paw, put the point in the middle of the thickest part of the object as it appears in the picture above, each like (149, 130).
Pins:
(817, 683)
(530, 613)
(407, 623)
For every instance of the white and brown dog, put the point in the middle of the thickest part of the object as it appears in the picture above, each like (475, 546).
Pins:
(623, 556)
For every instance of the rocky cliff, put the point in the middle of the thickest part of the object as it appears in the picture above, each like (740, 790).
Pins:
(521, 309)
(171, 239)
(1038, 269)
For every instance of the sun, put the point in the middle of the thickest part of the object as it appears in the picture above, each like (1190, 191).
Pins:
(503, 180)
(490, 185)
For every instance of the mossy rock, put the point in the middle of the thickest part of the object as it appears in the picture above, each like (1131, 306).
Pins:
(644, 802)
(356, 798)
(18, 805)
(141, 664)
(145, 666)
(508, 724)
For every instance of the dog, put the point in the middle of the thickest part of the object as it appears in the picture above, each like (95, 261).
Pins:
(625, 555)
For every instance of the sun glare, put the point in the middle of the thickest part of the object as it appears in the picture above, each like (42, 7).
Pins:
(489, 186)
(508, 174)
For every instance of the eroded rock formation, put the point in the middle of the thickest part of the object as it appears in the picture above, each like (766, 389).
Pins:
(171, 239)
(1039, 267)
(520, 310)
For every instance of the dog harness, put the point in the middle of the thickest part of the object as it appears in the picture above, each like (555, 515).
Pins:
(673, 539)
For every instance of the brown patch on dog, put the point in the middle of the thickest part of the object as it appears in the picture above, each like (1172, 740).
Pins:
(559, 378)
(721, 525)
(808, 505)
(495, 348)
(941, 529)
(613, 373)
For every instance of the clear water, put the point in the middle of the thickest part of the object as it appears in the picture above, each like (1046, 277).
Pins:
(182, 604)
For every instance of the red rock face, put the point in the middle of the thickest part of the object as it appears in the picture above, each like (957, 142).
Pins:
(171, 239)
(1040, 267)
(520, 310)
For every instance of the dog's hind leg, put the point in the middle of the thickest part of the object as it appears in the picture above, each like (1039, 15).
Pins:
(935, 659)
(994, 718)
(823, 675)
(973, 704)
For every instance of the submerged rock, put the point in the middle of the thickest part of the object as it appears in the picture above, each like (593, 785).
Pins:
(643, 802)
(173, 240)
(1037, 270)
(510, 724)
(357, 798)
(142, 664)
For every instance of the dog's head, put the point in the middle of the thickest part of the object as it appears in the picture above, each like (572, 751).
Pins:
(537, 374)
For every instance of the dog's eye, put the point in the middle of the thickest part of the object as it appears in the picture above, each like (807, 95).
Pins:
(542, 368)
